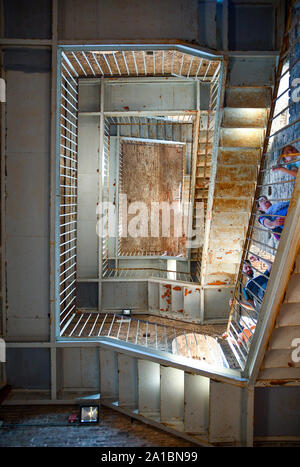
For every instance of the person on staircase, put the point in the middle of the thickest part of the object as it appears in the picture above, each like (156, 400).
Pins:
(253, 293)
(273, 215)
(290, 156)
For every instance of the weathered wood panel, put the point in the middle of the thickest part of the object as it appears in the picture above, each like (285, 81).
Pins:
(151, 173)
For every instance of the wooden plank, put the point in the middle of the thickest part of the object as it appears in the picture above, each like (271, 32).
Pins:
(237, 173)
(152, 172)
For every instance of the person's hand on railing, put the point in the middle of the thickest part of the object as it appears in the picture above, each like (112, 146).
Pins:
(278, 221)
(292, 172)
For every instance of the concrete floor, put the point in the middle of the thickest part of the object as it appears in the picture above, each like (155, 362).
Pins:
(36, 426)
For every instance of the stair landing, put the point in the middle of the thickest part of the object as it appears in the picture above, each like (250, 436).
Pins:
(200, 342)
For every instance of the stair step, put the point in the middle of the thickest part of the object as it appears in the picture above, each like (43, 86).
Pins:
(240, 174)
(203, 162)
(241, 137)
(293, 289)
(204, 148)
(250, 97)
(205, 154)
(279, 358)
(289, 315)
(244, 118)
(232, 205)
(282, 338)
(237, 156)
(279, 374)
(203, 136)
(227, 189)
(200, 172)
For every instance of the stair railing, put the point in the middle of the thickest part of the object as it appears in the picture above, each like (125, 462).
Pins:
(271, 206)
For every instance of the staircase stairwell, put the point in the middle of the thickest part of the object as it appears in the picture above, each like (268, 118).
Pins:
(241, 137)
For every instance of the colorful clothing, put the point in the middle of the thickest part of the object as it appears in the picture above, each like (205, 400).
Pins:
(278, 209)
(255, 288)
(293, 165)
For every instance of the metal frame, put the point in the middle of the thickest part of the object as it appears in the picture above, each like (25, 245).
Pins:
(66, 190)
(123, 118)
(69, 146)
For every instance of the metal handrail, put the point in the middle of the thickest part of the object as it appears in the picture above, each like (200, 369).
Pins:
(258, 242)
(140, 335)
(67, 155)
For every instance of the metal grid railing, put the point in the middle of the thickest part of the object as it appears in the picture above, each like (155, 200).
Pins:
(68, 187)
(204, 157)
(164, 128)
(274, 190)
(114, 62)
(149, 334)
